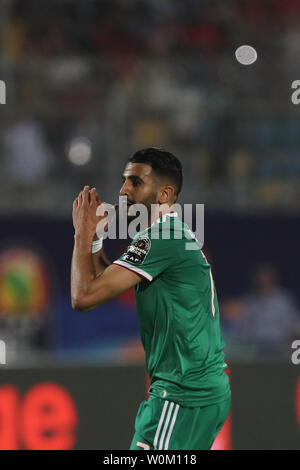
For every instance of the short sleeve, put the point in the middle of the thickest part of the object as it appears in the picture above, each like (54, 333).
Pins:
(147, 257)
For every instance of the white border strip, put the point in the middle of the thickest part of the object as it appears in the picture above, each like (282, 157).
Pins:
(134, 269)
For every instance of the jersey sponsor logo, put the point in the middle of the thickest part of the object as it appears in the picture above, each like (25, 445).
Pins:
(138, 250)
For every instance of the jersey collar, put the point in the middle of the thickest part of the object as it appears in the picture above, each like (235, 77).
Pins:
(163, 218)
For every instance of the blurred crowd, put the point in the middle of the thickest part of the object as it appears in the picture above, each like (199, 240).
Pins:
(90, 82)
(264, 321)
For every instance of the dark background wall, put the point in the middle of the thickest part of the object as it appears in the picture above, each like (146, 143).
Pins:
(95, 407)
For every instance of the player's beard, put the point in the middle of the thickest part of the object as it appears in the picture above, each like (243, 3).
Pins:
(148, 202)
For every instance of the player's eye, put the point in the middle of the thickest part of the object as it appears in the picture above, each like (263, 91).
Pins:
(136, 182)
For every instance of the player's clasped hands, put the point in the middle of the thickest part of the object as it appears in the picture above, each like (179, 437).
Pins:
(85, 218)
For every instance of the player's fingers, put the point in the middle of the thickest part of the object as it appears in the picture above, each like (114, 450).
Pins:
(79, 199)
(97, 197)
(93, 197)
(85, 195)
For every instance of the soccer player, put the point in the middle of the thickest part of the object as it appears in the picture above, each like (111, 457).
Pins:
(176, 302)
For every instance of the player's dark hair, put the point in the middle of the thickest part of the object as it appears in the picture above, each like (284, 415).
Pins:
(163, 163)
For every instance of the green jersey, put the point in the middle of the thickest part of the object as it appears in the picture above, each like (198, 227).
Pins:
(178, 314)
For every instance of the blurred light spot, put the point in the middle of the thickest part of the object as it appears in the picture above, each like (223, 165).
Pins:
(79, 151)
(246, 55)
(68, 70)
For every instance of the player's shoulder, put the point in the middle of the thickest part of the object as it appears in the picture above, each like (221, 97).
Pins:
(168, 229)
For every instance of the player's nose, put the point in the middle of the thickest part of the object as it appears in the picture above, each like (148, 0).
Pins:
(125, 190)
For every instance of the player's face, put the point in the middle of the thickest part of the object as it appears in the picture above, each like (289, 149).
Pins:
(138, 185)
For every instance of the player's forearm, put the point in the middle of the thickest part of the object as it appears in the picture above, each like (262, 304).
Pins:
(82, 269)
(100, 262)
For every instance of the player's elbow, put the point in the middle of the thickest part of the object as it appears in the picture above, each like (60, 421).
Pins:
(77, 305)
(80, 305)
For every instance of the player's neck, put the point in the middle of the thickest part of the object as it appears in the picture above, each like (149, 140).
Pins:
(158, 211)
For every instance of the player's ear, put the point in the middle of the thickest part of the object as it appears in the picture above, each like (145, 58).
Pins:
(166, 194)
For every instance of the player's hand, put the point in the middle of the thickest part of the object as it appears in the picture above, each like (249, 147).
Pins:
(106, 213)
(85, 207)
(93, 193)
(105, 217)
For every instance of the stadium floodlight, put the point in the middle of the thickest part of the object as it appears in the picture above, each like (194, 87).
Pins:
(79, 151)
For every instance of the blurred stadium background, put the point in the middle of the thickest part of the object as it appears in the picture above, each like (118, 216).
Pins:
(88, 83)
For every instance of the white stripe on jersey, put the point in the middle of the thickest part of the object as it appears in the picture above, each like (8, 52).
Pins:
(160, 423)
(134, 269)
(171, 427)
(166, 426)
